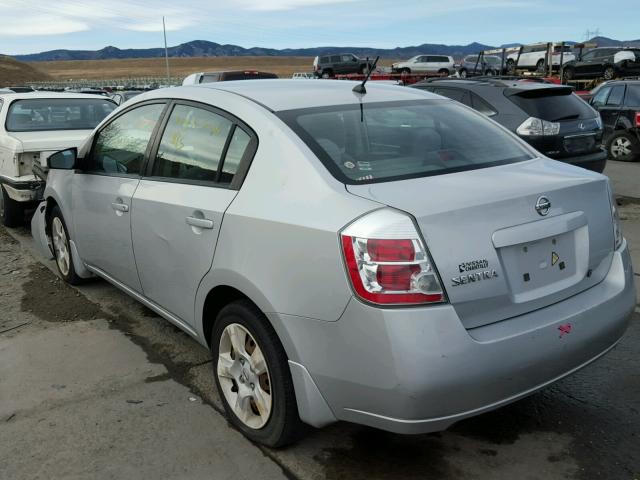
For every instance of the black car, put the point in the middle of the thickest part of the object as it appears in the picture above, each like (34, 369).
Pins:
(547, 116)
(327, 66)
(607, 63)
(618, 102)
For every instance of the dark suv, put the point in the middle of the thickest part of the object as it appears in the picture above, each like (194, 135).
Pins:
(549, 117)
(619, 105)
(607, 63)
(327, 66)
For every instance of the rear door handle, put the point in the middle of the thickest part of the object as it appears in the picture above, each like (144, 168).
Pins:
(200, 222)
(120, 207)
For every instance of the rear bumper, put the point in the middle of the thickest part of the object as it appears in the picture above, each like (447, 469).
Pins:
(593, 161)
(419, 370)
(23, 189)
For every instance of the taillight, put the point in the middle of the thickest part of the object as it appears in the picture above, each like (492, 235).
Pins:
(387, 261)
(535, 127)
(638, 119)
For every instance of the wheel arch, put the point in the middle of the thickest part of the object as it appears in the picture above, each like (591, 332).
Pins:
(219, 288)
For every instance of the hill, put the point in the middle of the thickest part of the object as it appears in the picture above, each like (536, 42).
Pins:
(13, 72)
(204, 48)
(609, 42)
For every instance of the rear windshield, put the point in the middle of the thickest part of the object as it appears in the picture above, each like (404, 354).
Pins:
(552, 104)
(34, 115)
(396, 140)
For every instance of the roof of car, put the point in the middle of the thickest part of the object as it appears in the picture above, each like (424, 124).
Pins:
(513, 84)
(288, 94)
(32, 95)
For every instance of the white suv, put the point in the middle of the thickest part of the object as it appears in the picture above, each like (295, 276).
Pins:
(532, 57)
(426, 64)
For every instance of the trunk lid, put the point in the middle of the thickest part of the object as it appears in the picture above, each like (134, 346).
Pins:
(51, 141)
(497, 256)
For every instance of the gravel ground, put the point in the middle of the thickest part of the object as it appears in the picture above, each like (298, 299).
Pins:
(94, 385)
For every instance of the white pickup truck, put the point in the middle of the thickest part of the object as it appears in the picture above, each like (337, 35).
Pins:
(32, 127)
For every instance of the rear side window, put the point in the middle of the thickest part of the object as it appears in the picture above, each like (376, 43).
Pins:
(551, 104)
(120, 147)
(616, 95)
(481, 106)
(335, 59)
(192, 145)
(394, 140)
(453, 94)
(633, 96)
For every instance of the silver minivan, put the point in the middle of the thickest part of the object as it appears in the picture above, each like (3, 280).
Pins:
(389, 258)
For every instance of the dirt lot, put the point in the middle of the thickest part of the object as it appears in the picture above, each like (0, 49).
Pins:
(180, 67)
(93, 385)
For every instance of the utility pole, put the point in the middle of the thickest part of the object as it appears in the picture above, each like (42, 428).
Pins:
(166, 51)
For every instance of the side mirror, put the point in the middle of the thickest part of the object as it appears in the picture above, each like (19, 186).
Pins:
(63, 160)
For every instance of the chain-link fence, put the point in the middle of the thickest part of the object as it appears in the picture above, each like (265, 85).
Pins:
(114, 84)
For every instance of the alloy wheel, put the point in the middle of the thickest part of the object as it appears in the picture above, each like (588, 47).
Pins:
(61, 246)
(621, 147)
(609, 73)
(244, 377)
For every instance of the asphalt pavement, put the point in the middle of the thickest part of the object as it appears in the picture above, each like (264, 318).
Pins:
(94, 385)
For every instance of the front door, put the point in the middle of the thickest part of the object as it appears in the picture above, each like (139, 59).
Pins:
(178, 207)
(103, 191)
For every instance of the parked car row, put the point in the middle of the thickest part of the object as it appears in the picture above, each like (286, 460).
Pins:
(374, 255)
(549, 117)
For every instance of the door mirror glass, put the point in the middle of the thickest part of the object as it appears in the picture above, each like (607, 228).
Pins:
(63, 160)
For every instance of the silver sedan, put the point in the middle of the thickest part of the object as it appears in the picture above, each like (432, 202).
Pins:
(386, 257)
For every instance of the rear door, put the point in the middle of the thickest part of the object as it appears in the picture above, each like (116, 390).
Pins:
(179, 205)
(102, 192)
(610, 111)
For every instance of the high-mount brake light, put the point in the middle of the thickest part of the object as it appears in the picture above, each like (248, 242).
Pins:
(387, 261)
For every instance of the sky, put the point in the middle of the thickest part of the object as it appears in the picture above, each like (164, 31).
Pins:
(31, 26)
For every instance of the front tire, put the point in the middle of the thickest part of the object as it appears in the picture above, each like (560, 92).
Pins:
(511, 66)
(540, 66)
(11, 212)
(624, 147)
(62, 247)
(463, 73)
(568, 74)
(252, 375)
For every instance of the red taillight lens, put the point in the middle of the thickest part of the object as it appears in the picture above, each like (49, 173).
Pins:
(390, 250)
(396, 277)
(638, 119)
(389, 271)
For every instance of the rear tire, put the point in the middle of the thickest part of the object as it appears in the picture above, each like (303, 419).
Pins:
(511, 66)
(62, 248)
(609, 73)
(327, 74)
(240, 331)
(624, 147)
(444, 71)
(11, 212)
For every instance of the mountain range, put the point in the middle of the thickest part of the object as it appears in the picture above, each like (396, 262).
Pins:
(204, 48)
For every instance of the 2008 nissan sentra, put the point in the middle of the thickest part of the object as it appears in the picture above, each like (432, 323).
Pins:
(391, 258)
